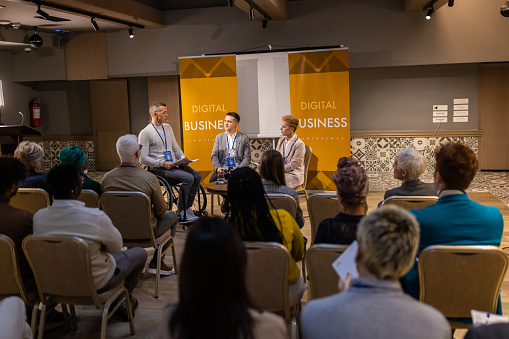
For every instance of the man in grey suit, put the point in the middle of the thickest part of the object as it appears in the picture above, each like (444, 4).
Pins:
(231, 148)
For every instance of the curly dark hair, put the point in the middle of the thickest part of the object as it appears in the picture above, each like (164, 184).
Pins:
(457, 164)
(351, 181)
(12, 171)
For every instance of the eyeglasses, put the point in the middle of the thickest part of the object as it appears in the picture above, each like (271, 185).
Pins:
(140, 147)
(82, 179)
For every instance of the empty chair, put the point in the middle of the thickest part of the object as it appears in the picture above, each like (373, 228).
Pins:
(411, 202)
(130, 213)
(323, 279)
(89, 197)
(63, 274)
(30, 199)
(307, 158)
(267, 280)
(457, 279)
(282, 201)
(322, 206)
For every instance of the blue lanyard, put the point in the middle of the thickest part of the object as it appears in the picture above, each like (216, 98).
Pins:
(228, 144)
(290, 151)
(165, 143)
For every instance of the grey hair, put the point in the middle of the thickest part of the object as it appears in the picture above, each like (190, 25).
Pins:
(155, 106)
(31, 154)
(127, 146)
(388, 238)
(412, 161)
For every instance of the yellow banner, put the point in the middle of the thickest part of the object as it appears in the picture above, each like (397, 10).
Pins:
(320, 98)
(208, 88)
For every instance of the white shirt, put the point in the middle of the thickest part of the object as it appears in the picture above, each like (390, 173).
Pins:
(70, 218)
(231, 140)
(288, 141)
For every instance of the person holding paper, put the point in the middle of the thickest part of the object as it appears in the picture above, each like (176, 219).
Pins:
(160, 151)
(293, 151)
(231, 148)
(373, 305)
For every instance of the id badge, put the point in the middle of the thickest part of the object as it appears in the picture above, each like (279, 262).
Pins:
(167, 156)
(230, 162)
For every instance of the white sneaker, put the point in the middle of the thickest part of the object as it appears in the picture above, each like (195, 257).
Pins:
(190, 215)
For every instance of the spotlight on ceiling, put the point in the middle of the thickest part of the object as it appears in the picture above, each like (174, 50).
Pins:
(131, 32)
(251, 13)
(504, 10)
(231, 3)
(94, 24)
(35, 40)
(41, 12)
(450, 3)
(430, 12)
(264, 23)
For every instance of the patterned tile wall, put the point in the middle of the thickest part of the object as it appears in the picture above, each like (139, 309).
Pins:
(52, 150)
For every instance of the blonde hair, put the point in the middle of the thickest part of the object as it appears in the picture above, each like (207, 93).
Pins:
(30, 154)
(388, 238)
(412, 161)
(292, 121)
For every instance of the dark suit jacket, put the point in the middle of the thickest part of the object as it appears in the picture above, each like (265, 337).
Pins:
(242, 150)
(495, 331)
(411, 187)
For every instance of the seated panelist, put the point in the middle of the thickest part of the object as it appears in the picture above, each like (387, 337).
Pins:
(293, 150)
(231, 148)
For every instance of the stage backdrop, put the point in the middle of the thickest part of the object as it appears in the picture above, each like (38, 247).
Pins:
(319, 96)
(208, 91)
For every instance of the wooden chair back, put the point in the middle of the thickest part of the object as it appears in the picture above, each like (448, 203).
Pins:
(282, 201)
(411, 202)
(322, 206)
(30, 199)
(323, 279)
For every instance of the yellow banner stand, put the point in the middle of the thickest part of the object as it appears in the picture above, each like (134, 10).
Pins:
(320, 98)
(208, 87)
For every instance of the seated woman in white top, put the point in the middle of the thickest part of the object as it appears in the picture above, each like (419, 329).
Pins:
(213, 301)
(293, 150)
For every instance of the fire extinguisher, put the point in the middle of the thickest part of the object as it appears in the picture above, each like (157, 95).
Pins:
(34, 112)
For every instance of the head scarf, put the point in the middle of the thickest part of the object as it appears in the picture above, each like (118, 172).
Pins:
(351, 181)
(73, 155)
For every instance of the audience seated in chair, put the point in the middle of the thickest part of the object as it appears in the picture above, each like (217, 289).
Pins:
(273, 179)
(31, 155)
(215, 254)
(69, 217)
(374, 304)
(293, 150)
(251, 217)
(130, 177)
(454, 219)
(78, 158)
(352, 185)
(408, 165)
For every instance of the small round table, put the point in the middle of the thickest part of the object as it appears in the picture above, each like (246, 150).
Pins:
(215, 188)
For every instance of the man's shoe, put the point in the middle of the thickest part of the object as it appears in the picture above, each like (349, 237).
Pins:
(191, 215)
(121, 312)
(165, 269)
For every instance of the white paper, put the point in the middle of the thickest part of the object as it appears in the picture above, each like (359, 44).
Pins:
(345, 263)
(480, 318)
(184, 161)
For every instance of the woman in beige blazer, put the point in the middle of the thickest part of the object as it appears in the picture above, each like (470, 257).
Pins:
(293, 150)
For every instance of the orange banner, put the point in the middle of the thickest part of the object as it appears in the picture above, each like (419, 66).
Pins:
(320, 98)
(208, 88)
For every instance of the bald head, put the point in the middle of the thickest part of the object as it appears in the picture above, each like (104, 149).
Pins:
(127, 148)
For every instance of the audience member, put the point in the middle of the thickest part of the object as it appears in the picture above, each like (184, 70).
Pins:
(251, 217)
(214, 253)
(68, 217)
(293, 150)
(408, 165)
(129, 177)
(374, 305)
(16, 223)
(352, 186)
(454, 219)
(273, 179)
(78, 158)
(231, 148)
(13, 319)
(31, 155)
(160, 150)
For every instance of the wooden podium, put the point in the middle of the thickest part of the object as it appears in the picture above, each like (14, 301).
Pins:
(12, 135)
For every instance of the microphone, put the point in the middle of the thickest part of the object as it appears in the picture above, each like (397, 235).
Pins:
(22, 117)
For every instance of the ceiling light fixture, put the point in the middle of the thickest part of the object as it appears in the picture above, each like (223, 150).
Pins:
(264, 23)
(35, 40)
(251, 13)
(430, 12)
(131, 32)
(450, 3)
(41, 12)
(504, 10)
(231, 3)
(94, 24)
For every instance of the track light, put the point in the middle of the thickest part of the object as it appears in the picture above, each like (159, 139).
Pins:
(94, 24)
(35, 40)
(41, 12)
(451, 3)
(131, 33)
(504, 10)
(251, 13)
(264, 23)
(231, 3)
(430, 11)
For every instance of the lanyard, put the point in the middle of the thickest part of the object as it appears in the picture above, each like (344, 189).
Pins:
(290, 151)
(228, 144)
(165, 142)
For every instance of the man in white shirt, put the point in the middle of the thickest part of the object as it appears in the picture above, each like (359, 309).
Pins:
(160, 150)
(68, 217)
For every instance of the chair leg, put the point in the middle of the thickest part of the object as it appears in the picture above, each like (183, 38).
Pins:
(306, 195)
(68, 324)
(158, 271)
(42, 321)
(174, 254)
(295, 314)
(130, 313)
(74, 319)
(33, 322)
(211, 204)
